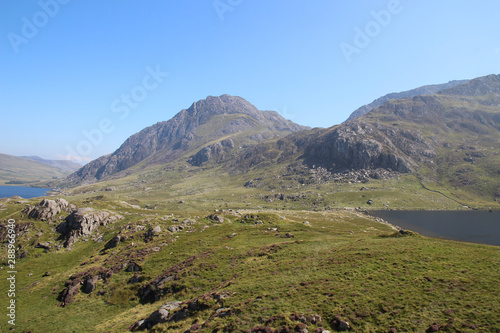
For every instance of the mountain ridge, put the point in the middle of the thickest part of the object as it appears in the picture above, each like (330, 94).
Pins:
(424, 90)
(446, 139)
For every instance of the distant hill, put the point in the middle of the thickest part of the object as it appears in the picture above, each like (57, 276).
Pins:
(20, 170)
(61, 164)
(425, 90)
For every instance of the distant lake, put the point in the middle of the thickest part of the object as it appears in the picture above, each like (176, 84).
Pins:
(467, 226)
(22, 191)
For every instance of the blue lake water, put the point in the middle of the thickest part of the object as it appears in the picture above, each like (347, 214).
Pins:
(22, 191)
(481, 227)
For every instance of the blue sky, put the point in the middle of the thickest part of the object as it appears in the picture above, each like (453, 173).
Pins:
(67, 67)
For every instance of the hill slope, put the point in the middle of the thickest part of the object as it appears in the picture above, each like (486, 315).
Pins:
(20, 170)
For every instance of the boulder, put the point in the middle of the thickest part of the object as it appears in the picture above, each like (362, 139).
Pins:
(159, 316)
(340, 324)
(66, 296)
(133, 267)
(171, 306)
(90, 284)
(45, 246)
(135, 279)
(83, 222)
(175, 228)
(113, 242)
(216, 218)
(47, 209)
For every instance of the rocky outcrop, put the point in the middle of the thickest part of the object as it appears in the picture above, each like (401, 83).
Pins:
(359, 145)
(177, 311)
(83, 222)
(47, 209)
(215, 152)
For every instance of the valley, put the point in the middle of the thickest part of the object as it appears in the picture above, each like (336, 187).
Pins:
(226, 218)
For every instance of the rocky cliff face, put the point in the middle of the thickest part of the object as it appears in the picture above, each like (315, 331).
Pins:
(360, 145)
(189, 130)
(433, 131)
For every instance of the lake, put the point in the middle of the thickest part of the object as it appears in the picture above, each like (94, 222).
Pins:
(481, 227)
(22, 191)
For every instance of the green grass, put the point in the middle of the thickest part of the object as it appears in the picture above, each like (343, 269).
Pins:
(342, 263)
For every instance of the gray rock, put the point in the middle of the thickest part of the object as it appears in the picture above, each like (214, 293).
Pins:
(175, 228)
(159, 316)
(90, 284)
(343, 325)
(171, 306)
(180, 315)
(223, 312)
(216, 218)
(133, 267)
(83, 222)
(47, 209)
(113, 242)
(45, 246)
(135, 279)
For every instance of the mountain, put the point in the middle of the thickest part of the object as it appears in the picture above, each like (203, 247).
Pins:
(217, 124)
(425, 90)
(60, 164)
(451, 138)
(21, 170)
(448, 141)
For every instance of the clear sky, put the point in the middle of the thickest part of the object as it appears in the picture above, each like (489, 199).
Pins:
(79, 77)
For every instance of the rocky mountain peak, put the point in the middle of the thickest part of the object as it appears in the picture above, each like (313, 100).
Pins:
(206, 120)
(225, 104)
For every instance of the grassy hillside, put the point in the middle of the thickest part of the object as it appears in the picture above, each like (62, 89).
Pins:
(257, 270)
(465, 137)
(23, 170)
